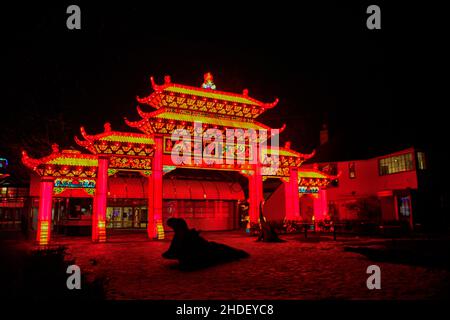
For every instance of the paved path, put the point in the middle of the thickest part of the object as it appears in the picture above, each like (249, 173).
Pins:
(296, 269)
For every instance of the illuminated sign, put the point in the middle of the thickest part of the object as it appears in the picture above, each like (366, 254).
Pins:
(303, 189)
(74, 183)
(3, 163)
(207, 149)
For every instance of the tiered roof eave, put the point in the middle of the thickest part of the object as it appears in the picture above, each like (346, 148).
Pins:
(140, 146)
(193, 98)
(179, 120)
(62, 163)
(112, 137)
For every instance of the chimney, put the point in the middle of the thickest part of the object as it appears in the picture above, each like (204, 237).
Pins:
(324, 134)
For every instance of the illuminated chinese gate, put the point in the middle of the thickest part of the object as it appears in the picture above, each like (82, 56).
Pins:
(178, 107)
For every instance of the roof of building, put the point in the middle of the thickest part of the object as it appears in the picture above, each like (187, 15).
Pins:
(211, 120)
(63, 158)
(343, 149)
(204, 99)
(311, 173)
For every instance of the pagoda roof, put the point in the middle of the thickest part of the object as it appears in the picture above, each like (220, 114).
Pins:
(286, 157)
(282, 151)
(213, 94)
(311, 173)
(196, 98)
(203, 118)
(64, 158)
(116, 136)
(74, 160)
(150, 122)
(314, 178)
(112, 137)
(127, 137)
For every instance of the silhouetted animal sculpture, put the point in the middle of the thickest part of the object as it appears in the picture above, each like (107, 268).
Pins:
(267, 232)
(193, 251)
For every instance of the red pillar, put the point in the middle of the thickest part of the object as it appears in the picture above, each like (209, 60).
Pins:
(45, 211)
(288, 200)
(292, 197)
(255, 185)
(321, 205)
(155, 226)
(101, 191)
(150, 212)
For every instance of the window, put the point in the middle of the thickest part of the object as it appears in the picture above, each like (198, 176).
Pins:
(12, 192)
(405, 206)
(3, 165)
(395, 164)
(421, 161)
(351, 170)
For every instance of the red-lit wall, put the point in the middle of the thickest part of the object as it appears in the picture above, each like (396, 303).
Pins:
(274, 207)
(205, 205)
(368, 182)
(210, 215)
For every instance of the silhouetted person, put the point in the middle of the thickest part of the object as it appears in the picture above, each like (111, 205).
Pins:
(193, 251)
(267, 232)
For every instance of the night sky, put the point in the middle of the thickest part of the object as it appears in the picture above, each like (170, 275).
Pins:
(320, 61)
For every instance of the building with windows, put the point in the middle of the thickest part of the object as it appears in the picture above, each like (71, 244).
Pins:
(14, 199)
(392, 187)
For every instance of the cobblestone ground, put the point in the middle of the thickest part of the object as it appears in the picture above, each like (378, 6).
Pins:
(297, 269)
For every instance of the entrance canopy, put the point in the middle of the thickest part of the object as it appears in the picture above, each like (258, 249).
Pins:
(176, 189)
(137, 188)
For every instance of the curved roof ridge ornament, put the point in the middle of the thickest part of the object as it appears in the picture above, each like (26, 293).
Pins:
(156, 87)
(143, 114)
(337, 176)
(309, 155)
(55, 148)
(271, 104)
(133, 124)
(81, 143)
(142, 100)
(107, 127)
(33, 163)
(280, 130)
(87, 142)
(329, 176)
(85, 135)
(28, 161)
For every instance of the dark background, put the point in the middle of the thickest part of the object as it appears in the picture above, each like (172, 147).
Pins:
(320, 60)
